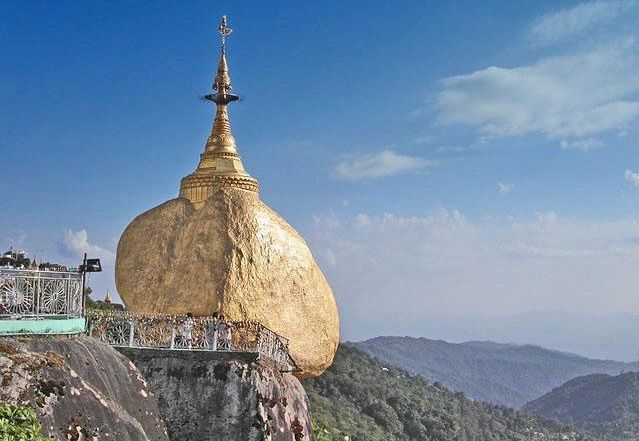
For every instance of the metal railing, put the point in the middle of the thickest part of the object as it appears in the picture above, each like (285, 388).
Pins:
(40, 294)
(124, 329)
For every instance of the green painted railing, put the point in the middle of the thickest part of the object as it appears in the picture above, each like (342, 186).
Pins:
(42, 326)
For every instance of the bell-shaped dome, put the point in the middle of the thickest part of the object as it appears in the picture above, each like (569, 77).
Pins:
(219, 248)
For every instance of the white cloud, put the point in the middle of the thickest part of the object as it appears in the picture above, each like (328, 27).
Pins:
(384, 163)
(584, 145)
(505, 188)
(423, 139)
(557, 25)
(632, 178)
(389, 267)
(326, 222)
(570, 96)
(76, 243)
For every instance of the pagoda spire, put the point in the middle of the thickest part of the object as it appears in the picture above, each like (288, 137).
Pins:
(221, 138)
(220, 164)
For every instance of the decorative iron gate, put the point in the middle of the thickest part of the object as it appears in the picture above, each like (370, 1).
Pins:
(33, 293)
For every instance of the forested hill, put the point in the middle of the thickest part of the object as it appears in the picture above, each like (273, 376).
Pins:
(504, 374)
(367, 400)
(604, 404)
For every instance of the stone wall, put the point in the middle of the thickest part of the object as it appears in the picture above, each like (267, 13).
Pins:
(205, 396)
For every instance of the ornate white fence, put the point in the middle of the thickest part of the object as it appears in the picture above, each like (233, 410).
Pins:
(33, 293)
(123, 329)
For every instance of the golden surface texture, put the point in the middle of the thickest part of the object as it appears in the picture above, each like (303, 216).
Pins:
(230, 253)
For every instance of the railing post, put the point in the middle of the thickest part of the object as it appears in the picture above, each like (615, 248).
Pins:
(84, 283)
(68, 297)
(65, 288)
(131, 332)
(173, 337)
(259, 340)
(37, 292)
(78, 298)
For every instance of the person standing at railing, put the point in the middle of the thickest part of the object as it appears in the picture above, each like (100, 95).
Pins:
(225, 334)
(187, 330)
(214, 331)
(228, 338)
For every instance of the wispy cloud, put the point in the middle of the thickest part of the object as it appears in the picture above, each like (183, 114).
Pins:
(376, 165)
(423, 139)
(570, 96)
(584, 145)
(557, 25)
(505, 188)
(632, 178)
(75, 243)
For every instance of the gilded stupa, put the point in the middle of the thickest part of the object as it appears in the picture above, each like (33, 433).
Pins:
(218, 248)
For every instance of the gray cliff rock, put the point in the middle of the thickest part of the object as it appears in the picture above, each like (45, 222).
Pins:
(206, 396)
(81, 389)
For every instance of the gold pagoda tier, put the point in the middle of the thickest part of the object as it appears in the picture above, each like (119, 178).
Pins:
(220, 164)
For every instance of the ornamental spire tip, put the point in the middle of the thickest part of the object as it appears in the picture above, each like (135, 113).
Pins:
(222, 82)
(224, 31)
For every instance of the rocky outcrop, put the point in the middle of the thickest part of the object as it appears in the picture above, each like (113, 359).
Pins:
(80, 389)
(206, 396)
(236, 256)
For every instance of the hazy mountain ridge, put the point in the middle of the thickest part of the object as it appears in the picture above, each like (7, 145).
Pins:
(604, 404)
(599, 336)
(368, 400)
(506, 374)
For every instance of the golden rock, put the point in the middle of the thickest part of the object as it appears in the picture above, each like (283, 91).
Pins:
(219, 248)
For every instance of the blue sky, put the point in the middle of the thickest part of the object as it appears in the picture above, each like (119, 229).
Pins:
(440, 158)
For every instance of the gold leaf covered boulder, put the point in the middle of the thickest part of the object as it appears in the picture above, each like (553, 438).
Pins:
(219, 248)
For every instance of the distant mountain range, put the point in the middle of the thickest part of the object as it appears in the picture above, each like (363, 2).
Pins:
(600, 336)
(506, 374)
(362, 399)
(603, 404)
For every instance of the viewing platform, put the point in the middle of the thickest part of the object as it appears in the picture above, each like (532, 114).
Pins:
(40, 302)
(193, 334)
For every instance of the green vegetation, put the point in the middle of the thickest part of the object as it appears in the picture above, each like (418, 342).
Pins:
(506, 374)
(19, 423)
(366, 400)
(99, 305)
(604, 404)
(320, 431)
